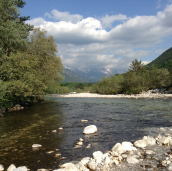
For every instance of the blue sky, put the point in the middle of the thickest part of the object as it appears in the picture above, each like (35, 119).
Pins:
(104, 34)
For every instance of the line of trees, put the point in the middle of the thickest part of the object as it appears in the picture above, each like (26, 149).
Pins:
(137, 79)
(28, 62)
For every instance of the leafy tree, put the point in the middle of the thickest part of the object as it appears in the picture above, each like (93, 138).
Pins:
(34, 71)
(13, 30)
(136, 65)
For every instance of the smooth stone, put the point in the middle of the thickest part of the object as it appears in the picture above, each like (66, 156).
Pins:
(11, 167)
(127, 145)
(97, 155)
(60, 128)
(119, 148)
(57, 155)
(81, 167)
(54, 131)
(79, 143)
(1, 167)
(81, 140)
(140, 143)
(90, 129)
(60, 170)
(92, 165)
(149, 152)
(169, 167)
(36, 145)
(88, 146)
(50, 152)
(132, 160)
(22, 168)
(84, 120)
(42, 170)
(85, 160)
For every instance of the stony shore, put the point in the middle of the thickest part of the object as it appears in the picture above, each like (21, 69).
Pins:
(149, 153)
(93, 95)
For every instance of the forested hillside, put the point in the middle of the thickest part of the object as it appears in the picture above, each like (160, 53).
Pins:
(164, 60)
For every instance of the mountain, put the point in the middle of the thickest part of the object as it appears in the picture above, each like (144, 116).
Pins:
(71, 76)
(94, 74)
(164, 60)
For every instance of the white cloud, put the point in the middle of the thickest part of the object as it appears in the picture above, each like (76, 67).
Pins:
(64, 16)
(86, 43)
(108, 20)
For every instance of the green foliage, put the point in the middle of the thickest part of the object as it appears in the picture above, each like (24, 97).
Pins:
(134, 81)
(136, 65)
(13, 30)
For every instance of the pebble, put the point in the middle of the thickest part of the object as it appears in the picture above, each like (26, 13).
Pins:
(60, 128)
(36, 145)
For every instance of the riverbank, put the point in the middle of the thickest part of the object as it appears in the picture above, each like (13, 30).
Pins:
(94, 95)
(149, 153)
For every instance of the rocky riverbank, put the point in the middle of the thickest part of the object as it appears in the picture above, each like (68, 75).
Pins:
(149, 153)
(148, 95)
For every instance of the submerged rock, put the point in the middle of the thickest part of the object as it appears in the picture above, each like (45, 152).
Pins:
(90, 129)
(36, 145)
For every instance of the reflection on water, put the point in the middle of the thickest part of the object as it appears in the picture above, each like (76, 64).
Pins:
(117, 120)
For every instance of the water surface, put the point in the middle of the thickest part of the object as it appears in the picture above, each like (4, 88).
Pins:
(117, 120)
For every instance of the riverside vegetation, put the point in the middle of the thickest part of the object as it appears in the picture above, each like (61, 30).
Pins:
(28, 62)
(137, 79)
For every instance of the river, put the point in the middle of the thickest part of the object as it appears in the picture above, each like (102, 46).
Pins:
(117, 120)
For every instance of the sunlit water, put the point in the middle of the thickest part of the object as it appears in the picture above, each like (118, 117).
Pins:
(116, 119)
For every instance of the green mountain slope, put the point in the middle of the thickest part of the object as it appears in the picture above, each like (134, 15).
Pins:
(71, 76)
(164, 60)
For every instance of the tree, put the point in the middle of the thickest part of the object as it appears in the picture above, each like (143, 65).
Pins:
(44, 47)
(136, 65)
(13, 30)
(34, 71)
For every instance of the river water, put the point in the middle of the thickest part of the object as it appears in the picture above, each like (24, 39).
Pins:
(117, 120)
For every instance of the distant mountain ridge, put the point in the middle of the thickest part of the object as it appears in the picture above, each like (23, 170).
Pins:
(93, 74)
(164, 60)
(70, 76)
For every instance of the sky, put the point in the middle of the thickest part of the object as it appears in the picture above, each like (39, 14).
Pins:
(104, 33)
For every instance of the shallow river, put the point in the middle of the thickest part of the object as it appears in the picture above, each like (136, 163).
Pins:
(116, 119)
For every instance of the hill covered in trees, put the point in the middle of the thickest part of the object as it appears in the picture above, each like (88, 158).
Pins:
(163, 61)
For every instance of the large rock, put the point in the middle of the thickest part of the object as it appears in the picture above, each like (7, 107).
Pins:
(140, 143)
(85, 160)
(90, 129)
(92, 164)
(149, 140)
(127, 145)
(22, 168)
(119, 148)
(97, 155)
(11, 167)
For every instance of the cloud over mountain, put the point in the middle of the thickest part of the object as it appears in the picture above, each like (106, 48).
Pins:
(85, 41)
